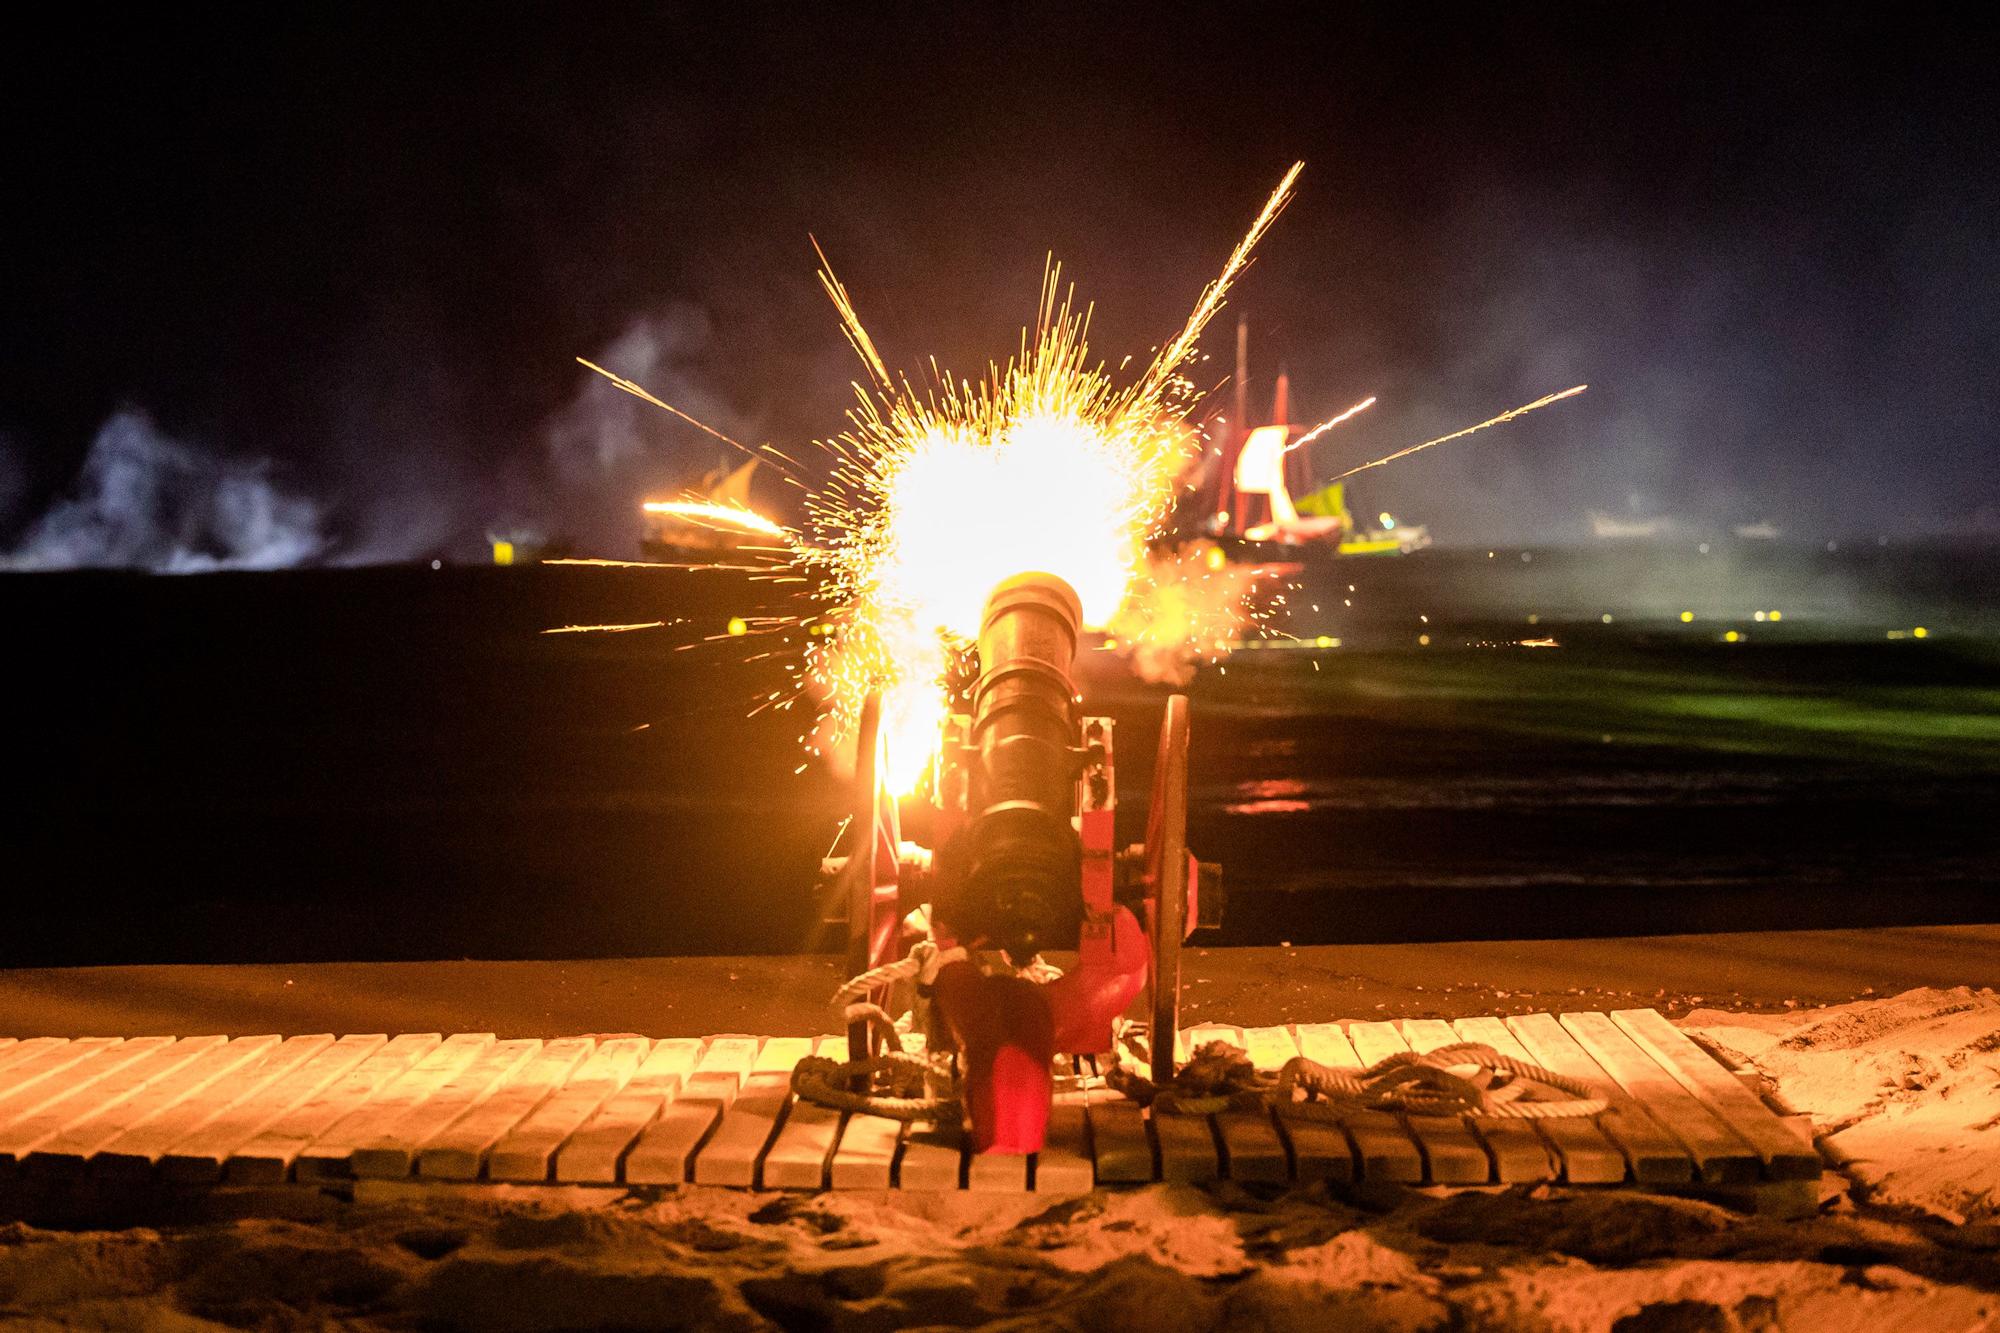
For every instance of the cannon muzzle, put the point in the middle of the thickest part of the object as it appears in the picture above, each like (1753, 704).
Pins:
(1020, 890)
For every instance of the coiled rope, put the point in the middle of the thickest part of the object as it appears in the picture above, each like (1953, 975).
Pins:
(1220, 1077)
(905, 1086)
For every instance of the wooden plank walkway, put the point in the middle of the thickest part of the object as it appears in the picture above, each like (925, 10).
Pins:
(629, 1110)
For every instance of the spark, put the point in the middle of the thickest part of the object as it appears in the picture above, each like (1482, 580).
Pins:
(639, 392)
(605, 629)
(1182, 346)
(850, 322)
(1327, 425)
(1503, 418)
(724, 515)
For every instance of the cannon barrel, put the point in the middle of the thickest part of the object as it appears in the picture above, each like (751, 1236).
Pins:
(1022, 884)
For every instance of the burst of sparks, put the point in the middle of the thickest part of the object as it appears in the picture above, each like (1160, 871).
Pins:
(937, 494)
(1045, 464)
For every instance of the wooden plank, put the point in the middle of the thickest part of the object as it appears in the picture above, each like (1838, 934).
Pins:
(668, 1151)
(1251, 1146)
(662, 1152)
(933, 1158)
(269, 1155)
(1720, 1156)
(527, 1153)
(1121, 1137)
(127, 1074)
(393, 1153)
(10, 1049)
(778, 1055)
(997, 1173)
(735, 1151)
(21, 1052)
(329, 1156)
(55, 1070)
(85, 1138)
(133, 1154)
(865, 1157)
(801, 1156)
(458, 1151)
(1314, 1149)
(1453, 1155)
(1383, 1147)
(1064, 1165)
(594, 1154)
(1582, 1152)
(1517, 1152)
(199, 1157)
(1743, 1111)
(1654, 1156)
(732, 1153)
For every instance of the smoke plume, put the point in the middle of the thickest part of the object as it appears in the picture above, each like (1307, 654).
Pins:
(144, 501)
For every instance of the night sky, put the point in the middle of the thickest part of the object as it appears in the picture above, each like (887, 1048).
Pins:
(352, 251)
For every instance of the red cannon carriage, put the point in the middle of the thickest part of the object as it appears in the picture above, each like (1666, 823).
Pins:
(1013, 852)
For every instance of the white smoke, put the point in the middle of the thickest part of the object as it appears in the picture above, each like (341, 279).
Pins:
(606, 450)
(144, 501)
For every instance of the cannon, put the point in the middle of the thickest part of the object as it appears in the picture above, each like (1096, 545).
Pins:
(1011, 852)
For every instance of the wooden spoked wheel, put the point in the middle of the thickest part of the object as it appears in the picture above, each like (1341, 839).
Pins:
(1167, 871)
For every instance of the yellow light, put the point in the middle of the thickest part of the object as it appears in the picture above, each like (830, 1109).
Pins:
(1606, 617)
(1919, 633)
(737, 627)
(1324, 641)
(1759, 616)
(1214, 559)
(1777, 615)
(503, 553)
(1687, 617)
(1388, 523)
(1732, 637)
(1423, 640)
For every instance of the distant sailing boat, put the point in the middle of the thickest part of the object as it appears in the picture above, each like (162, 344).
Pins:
(1254, 472)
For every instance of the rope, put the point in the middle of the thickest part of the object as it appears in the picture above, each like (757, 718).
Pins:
(1220, 1077)
(826, 1082)
(921, 964)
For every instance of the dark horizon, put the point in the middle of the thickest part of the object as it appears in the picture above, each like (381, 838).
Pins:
(333, 275)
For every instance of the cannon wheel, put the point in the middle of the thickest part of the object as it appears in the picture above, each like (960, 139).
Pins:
(1166, 863)
(871, 866)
